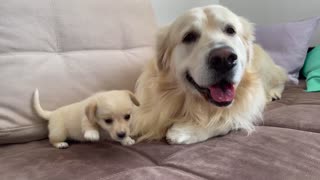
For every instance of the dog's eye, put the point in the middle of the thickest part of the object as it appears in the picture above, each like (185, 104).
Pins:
(127, 117)
(229, 29)
(191, 37)
(108, 121)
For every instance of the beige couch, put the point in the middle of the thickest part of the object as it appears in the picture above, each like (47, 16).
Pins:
(72, 48)
(69, 50)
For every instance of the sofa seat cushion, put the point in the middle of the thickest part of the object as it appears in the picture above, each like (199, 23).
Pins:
(269, 153)
(297, 109)
(286, 146)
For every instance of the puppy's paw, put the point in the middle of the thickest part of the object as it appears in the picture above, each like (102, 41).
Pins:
(128, 141)
(92, 135)
(61, 145)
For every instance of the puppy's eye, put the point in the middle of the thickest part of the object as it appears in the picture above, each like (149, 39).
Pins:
(127, 117)
(191, 37)
(108, 121)
(229, 29)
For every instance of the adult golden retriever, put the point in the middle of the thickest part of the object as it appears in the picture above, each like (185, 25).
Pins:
(207, 79)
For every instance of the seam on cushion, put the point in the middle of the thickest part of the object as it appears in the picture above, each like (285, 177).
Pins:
(283, 105)
(134, 152)
(185, 170)
(72, 51)
(293, 129)
(55, 24)
(153, 167)
(145, 156)
(179, 152)
(8, 130)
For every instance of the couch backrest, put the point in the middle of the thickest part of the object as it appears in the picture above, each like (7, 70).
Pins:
(69, 50)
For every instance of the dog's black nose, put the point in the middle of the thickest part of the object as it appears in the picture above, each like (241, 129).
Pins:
(121, 135)
(222, 59)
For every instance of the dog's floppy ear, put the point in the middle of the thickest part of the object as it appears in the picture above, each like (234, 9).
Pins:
(162, 48)
(91, 111)
(248, 29)
(248, 36)
(133, 98)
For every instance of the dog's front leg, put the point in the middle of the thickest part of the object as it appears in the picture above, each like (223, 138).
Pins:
(189, 133)
(90, 130)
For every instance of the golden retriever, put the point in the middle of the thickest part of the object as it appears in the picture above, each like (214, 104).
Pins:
(207, 79)
(83, 121)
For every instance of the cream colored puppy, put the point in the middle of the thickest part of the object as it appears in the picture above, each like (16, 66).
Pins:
(109, 111)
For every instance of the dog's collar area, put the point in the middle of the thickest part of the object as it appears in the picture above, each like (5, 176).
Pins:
(205, 92)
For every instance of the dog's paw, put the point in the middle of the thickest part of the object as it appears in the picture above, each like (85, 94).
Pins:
(176, 136)
(92, 135)
(274, 94)
(128, 141)
(61, 145)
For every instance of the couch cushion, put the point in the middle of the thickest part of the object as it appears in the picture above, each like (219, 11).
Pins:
(286, 147)
(69, 50)
(269, 153)
(296, 110)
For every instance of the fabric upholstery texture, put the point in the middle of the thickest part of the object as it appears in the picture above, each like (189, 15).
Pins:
(285, 146)
(69, 50)
(288, 43)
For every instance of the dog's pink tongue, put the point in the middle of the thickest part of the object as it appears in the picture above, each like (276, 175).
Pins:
(222, 93)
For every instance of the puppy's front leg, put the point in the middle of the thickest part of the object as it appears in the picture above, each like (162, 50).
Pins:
(189, 133)
(90, 130)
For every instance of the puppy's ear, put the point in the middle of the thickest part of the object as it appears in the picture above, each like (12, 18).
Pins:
(91, 111)
(248, 36)
(162, 48)
(133, 98)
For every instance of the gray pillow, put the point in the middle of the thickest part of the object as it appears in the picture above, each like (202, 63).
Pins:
(287, 43)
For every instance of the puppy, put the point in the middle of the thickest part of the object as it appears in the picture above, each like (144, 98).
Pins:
(109, 111)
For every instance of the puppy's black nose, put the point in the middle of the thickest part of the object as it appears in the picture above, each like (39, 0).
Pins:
(222, 59)
(121, 135)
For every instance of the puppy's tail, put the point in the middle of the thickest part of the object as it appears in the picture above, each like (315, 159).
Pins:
(37, 107)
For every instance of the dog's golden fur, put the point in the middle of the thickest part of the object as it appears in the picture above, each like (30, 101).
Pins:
(170, 108)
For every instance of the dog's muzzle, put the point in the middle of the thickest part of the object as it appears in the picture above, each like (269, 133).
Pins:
(221, 62)
(222, 59)
(221, 93)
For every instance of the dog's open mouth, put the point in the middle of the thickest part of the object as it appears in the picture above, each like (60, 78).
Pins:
(220, 94)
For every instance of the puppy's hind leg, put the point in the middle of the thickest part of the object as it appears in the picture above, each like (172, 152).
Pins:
(58, 135)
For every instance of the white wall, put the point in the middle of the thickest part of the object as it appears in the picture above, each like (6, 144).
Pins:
(258, 11)
(168, 10)
(275, 11)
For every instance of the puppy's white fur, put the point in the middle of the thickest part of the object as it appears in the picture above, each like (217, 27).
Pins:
(171, 107)
(84, 120)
